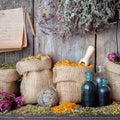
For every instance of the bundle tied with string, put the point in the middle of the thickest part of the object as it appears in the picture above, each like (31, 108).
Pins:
(36, 76)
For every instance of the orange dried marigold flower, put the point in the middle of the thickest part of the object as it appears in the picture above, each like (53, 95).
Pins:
(68, 63)
(65, 107)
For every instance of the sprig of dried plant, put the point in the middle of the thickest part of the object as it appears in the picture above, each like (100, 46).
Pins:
(79, 16)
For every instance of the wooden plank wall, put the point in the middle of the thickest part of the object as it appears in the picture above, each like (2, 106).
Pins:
(56, 47)
(106, 43)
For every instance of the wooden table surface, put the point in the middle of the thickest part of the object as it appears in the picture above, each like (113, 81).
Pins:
(51, 117)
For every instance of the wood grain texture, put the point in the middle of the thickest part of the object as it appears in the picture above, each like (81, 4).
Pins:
(118, 32)
(106, 43)
(56, 47)
(65, 117)
(118, 36)
(13, 57)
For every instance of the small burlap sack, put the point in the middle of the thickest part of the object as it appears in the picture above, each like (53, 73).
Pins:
(33, 83)
(34, 65)
(9, 75)
(70, 73)
(9, 87)
(69, 91)
(113, 74)
(8, 80)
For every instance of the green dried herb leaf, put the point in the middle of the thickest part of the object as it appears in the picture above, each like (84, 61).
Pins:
(38, 56)
(7, 66)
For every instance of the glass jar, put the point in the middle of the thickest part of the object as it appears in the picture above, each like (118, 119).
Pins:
(88, 91)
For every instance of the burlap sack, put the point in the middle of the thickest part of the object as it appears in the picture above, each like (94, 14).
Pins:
(34, 65)
(9, 75)
(9, 87)
(33, 83)
(70, 73)
(69, 91)
(113, 74)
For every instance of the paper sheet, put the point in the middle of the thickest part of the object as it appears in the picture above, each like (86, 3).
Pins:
(12, 30)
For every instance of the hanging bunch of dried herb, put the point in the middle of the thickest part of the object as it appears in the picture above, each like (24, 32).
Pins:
(80, 16)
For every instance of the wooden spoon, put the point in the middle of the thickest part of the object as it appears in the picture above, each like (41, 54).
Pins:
(87, 56)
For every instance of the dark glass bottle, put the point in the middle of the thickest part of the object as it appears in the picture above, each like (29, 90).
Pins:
(104, 95)
(88, 91)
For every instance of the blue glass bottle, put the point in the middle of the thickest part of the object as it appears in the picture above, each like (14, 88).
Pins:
(88, 91)
(104, 95)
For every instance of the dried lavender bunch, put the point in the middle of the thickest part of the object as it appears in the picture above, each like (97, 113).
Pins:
(79, 16)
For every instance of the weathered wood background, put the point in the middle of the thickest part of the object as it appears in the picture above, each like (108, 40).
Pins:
(57, 48)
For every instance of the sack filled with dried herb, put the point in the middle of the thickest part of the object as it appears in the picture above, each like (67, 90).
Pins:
(8, 73)
(33, 63)
(8, 78)
(70, 71)
(112, 67)
(69, 77)
(33, 82)
(69, 91)
(9, 87)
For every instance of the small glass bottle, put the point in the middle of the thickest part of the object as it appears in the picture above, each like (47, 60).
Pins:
(104, 95)
(88, 91)
(100, 73)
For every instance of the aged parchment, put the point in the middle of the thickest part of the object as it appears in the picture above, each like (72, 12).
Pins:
(12, 30)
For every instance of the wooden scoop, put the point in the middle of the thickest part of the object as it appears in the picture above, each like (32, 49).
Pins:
(87, 56)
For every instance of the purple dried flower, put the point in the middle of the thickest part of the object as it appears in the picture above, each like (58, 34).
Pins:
(4, 94)
(114, 57)
(19, 101)
(5, 105)
(9, 101)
